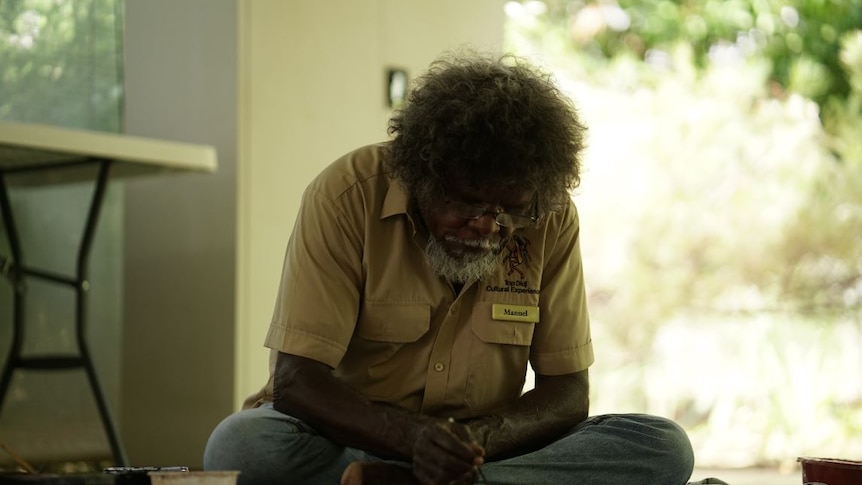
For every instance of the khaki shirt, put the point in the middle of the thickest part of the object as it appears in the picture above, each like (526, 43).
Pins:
(356, 294)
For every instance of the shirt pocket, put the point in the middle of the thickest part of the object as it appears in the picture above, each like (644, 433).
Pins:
(383, 362)
(499, 352)
(392, 322)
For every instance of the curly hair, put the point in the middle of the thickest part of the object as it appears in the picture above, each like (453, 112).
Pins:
(483, 121)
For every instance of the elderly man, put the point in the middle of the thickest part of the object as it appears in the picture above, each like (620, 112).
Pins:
(422, 276)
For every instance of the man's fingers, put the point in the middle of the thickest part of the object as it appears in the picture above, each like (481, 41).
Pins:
(462, 432)
(458, 448)
(443, 453)
(352, 474)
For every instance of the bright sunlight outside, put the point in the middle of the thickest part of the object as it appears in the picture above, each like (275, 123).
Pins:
(721, 210)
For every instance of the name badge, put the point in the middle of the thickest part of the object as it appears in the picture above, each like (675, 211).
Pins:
(515, 313)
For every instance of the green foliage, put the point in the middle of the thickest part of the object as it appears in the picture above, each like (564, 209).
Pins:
(59, 63)
(800, 38)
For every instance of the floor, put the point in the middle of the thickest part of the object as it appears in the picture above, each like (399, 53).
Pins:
(733, 476)
(750, 476)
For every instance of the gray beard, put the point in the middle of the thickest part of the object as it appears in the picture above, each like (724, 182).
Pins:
(469, 266)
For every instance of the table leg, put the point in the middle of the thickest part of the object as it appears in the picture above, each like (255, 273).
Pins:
(17, 281)
(81, 285)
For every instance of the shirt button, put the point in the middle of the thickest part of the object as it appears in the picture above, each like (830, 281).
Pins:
(439, 366)
(454, 309)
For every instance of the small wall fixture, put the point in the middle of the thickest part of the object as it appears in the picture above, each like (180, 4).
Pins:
(396, 87)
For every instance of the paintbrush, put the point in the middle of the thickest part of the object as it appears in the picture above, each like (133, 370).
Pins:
(469, 437)
(20, 461)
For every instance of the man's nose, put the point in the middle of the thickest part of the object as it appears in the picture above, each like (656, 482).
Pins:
(486, 223)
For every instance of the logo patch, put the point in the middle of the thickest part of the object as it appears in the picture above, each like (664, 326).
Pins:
(515, 262)
(518, 255)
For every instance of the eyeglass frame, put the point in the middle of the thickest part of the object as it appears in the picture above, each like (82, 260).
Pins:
(476, 214)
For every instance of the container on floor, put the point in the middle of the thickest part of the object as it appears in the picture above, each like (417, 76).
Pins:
(193, 478)
(831, 471)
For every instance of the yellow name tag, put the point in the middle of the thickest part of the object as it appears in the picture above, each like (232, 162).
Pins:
(515, 313)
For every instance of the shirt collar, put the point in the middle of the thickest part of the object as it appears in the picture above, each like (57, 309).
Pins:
(397, 201)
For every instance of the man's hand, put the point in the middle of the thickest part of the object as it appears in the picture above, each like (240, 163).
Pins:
(441, 451)
(444, 453)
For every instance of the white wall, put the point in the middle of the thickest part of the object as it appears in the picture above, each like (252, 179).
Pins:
(281, 88)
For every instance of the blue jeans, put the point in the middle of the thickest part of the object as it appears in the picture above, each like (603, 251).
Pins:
(269, 447)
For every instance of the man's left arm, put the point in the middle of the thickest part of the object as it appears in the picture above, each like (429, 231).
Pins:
(554, 406)
(560, 399)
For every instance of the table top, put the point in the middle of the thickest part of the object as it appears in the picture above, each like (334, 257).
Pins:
(27, 150)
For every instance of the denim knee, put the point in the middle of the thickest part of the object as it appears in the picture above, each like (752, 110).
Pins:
(679, 454)
(224, 448)
(662, 442)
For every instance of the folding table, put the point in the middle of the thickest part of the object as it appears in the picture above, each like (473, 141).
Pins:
(33, 155)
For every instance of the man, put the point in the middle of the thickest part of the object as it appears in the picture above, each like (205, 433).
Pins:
(422, 276)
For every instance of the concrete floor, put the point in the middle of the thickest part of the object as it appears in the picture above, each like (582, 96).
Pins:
(750, 476)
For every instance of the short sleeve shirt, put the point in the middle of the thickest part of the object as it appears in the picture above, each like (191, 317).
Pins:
(357, 295)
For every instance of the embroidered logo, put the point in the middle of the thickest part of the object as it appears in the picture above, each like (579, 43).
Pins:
(518, 255)
(515, 262)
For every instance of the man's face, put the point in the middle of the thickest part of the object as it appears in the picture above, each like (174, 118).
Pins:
(465, 237)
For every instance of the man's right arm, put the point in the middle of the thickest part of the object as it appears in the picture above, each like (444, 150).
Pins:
(306, 389)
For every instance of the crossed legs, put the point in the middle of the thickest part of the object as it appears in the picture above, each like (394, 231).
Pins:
(268, 447)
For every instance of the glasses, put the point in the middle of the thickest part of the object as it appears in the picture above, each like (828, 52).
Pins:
(469, 211)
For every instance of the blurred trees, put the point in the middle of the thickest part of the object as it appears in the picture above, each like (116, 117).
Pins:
(807, 48)
(61, 62)
(824, 240)
(721, 209)
(800, 38)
